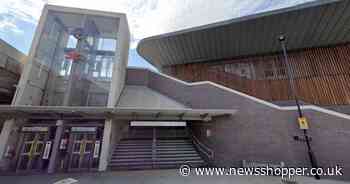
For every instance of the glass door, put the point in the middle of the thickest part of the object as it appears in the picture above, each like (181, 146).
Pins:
(81, 151)
(32, 151)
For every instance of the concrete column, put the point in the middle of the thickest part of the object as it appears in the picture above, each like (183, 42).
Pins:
(55, 147)
(5, 135)
(106, 143)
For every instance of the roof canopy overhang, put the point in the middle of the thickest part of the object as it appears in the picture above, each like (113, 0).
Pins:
(315, 24)
(66, 113)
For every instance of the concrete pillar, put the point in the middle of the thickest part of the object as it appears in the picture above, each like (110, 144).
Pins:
(8, 137)
(5, 135)
(55, 147)
(106, 143)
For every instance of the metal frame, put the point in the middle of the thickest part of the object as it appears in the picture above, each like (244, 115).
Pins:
(75, 113)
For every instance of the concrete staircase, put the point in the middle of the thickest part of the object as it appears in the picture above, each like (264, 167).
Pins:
(149, 154)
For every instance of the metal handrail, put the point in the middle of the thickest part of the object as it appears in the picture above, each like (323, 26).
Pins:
(202, 147)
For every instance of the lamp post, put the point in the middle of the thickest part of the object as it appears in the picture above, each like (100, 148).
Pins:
(313, 161)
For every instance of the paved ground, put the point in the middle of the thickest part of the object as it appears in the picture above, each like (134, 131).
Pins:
(153, 177)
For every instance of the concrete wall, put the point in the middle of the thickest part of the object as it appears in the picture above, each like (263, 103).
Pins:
(140, 96)
(24, 88)
(340, 108)
(119, 130)
(260, 131)
(11, 63)
(15, 54)
(119, 71)
(9, 140)
(113, 132)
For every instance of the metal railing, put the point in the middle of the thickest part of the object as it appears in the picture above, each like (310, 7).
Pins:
(204, 149)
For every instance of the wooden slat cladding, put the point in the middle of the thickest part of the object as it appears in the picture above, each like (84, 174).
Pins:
(322, 75)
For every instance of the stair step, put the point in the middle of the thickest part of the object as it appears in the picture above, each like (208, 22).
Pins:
(131, 160)
(127, 144)
(179, 159)
(179, 162)
(177, 155)
(150, 145)
(175, 149)
(177, 166)
(165, 152)
(131, 164)
(135, 142)
(173, 142)
(147, 167)
(131, 156)
(134, 150)
(130, 167)
(156, 160)
(137, 154)
(133, 147)
(159, 154)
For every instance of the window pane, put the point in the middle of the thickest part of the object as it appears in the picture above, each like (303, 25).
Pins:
(107, 44)
(104, 68)
(72, 42)
(110, 69)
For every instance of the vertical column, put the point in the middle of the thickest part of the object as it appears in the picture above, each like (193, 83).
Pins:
(5, 136)
(106, 143)
(9, 141)
(55, 147)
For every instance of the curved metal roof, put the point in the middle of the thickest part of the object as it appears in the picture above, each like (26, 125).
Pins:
(315, 24)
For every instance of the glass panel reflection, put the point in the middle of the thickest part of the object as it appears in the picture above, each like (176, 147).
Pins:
(79, 53)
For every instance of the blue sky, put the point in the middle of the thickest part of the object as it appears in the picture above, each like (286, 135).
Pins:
(18, 18)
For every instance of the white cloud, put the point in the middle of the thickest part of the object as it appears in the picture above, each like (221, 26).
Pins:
(8, 25)
(25, 10)
(151, 17)
(12, 11)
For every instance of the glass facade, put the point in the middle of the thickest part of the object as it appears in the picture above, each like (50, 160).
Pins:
(78, 53)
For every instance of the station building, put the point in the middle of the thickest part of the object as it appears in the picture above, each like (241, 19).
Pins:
(76, 100)
(244, 54)
(79, 108)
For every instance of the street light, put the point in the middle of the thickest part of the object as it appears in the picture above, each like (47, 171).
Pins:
(313, 161)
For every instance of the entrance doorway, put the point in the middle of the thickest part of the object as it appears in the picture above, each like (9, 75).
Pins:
(155, 145)
(34, 149)
(157, 130)
(84, 144)
(81, 151)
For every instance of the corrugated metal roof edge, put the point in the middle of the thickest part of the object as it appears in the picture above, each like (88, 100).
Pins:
(227, 22)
